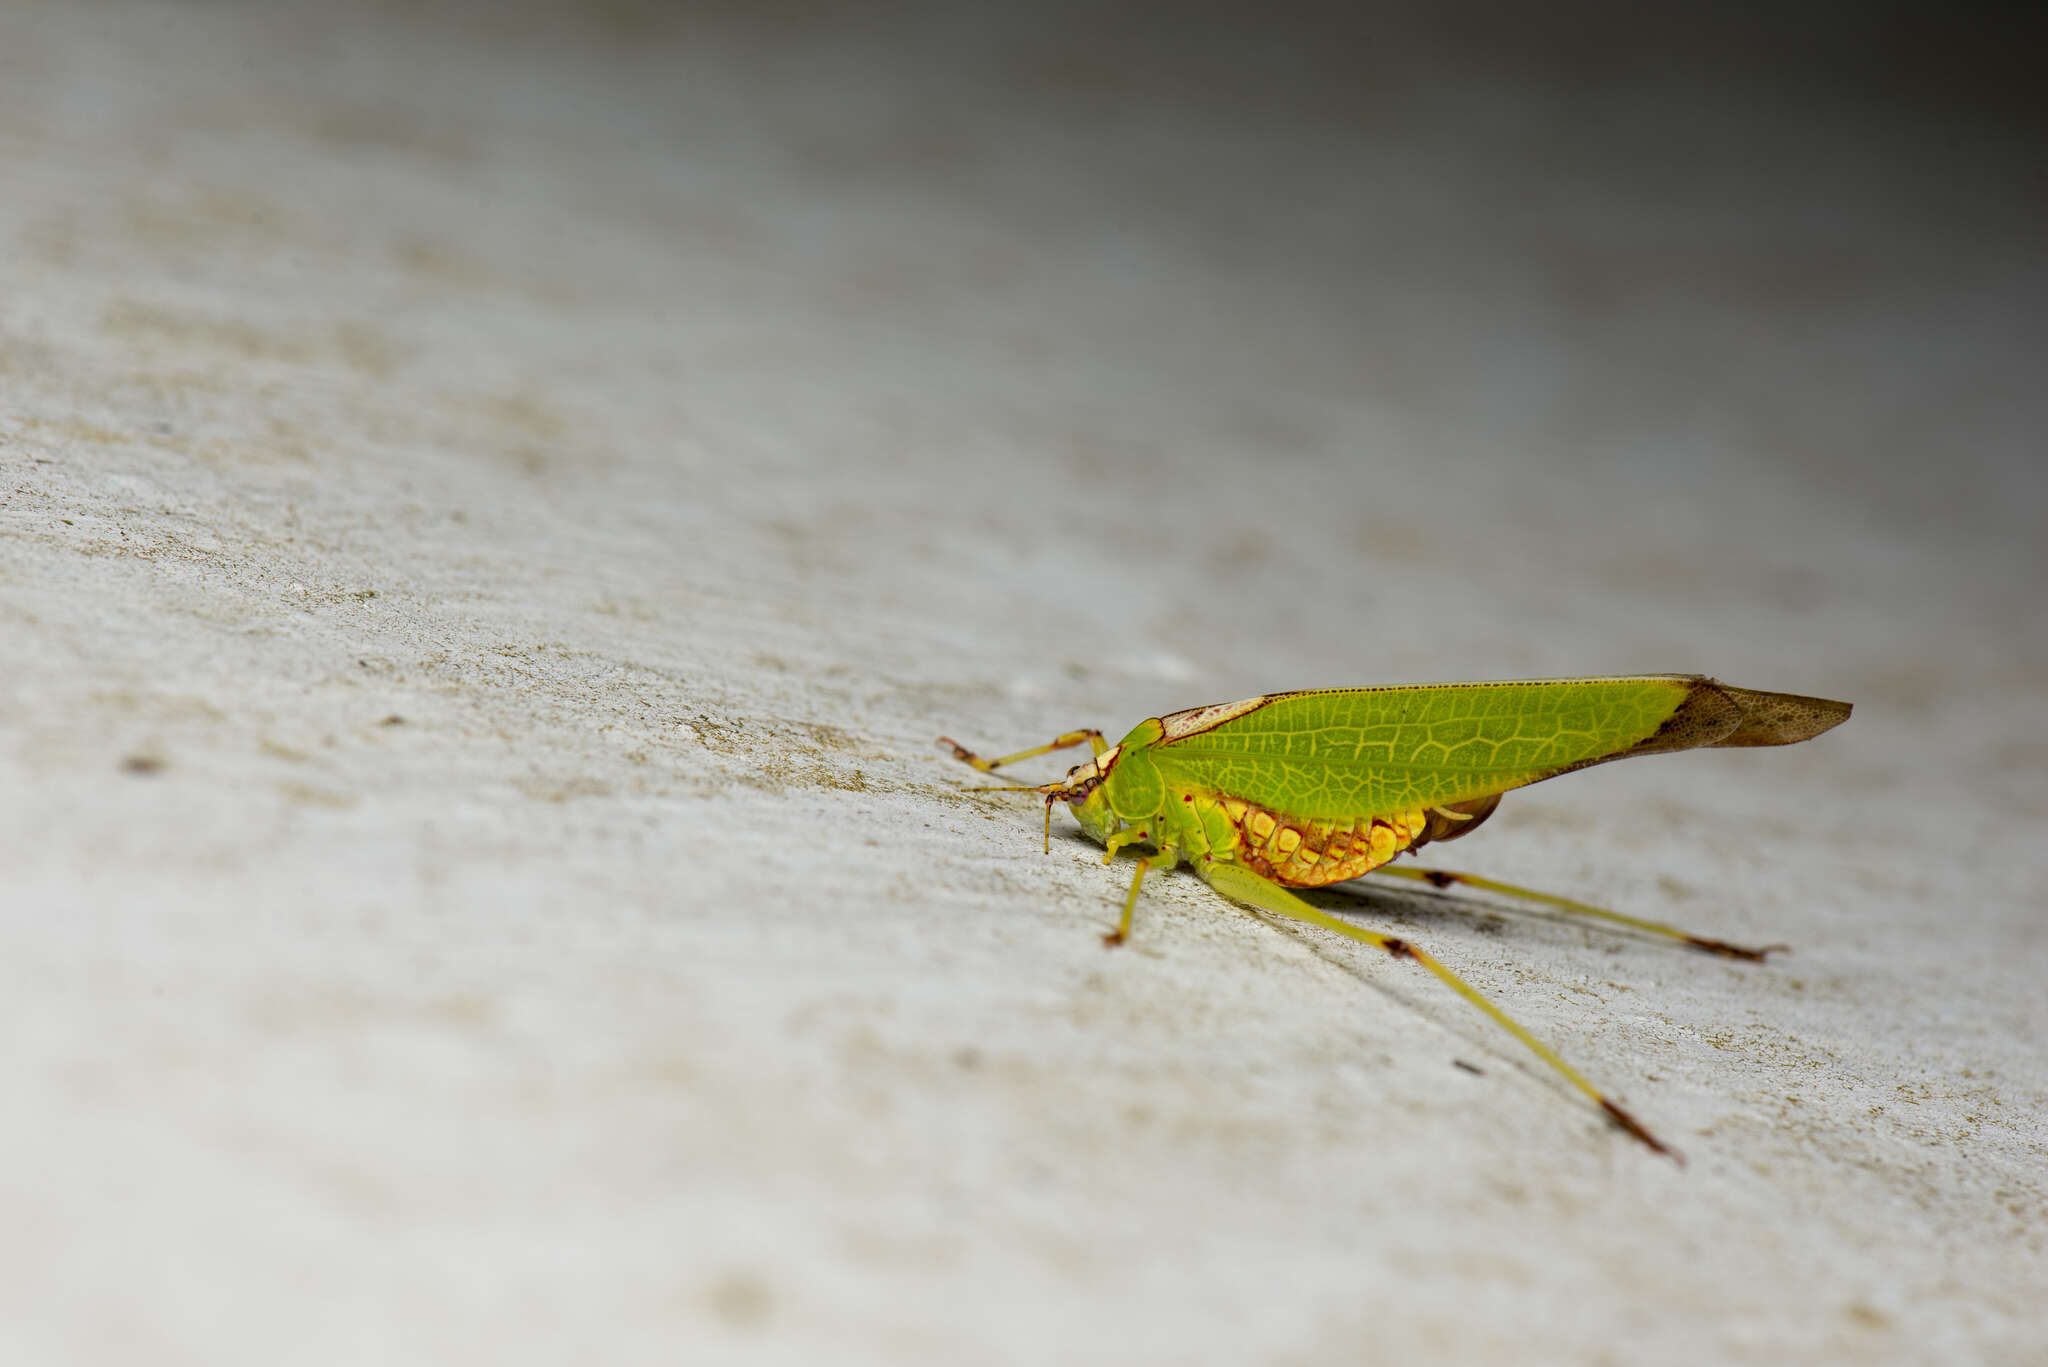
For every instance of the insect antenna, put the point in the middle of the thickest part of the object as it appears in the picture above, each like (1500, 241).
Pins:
(1050, 798)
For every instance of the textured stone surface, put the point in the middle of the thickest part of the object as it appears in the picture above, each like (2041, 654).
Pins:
(493, 513)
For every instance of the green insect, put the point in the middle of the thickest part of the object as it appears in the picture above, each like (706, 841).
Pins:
(1302, 790)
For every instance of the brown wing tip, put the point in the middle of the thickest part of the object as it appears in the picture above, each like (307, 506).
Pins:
(1780, 718)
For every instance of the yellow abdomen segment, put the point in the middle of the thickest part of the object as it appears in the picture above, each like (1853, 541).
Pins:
(1298, 852)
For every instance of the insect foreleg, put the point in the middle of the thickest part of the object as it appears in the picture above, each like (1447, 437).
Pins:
(1164, 859)
(1242, 885)
(1443, 878)
(989, 766)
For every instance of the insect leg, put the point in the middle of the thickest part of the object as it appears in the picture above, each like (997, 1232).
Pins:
(1242, 885)
(1443, 878)
(989, 766)
(1165, 859)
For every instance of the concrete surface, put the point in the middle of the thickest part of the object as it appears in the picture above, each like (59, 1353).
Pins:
(495, 507)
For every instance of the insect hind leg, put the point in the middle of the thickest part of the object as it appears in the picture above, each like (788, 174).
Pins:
(1240, 884)
(1443, 878)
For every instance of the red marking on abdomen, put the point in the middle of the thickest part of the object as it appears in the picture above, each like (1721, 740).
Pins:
(1299, 852)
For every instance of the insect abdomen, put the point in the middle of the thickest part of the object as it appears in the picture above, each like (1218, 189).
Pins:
(1298, 852)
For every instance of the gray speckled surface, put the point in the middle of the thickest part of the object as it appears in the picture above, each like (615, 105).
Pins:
(494, 512)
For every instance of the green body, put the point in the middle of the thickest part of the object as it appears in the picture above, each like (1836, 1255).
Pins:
(1352, 755)
(1296, 790)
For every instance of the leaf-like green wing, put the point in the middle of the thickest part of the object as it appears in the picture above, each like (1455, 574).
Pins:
(1358, 752)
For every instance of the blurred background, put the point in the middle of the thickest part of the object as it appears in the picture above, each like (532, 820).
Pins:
(496, 502)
